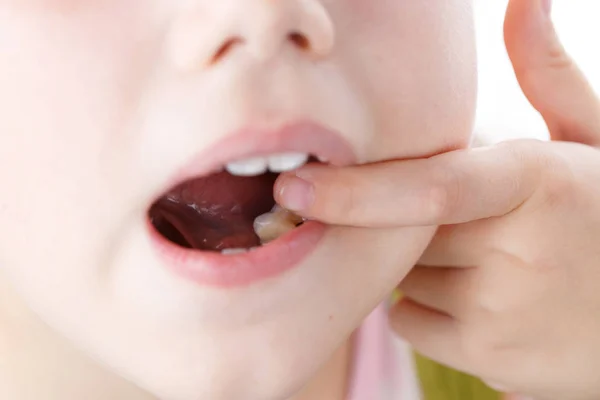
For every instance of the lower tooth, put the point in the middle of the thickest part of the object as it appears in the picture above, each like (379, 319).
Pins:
(273, 225)
(231, 252)
(282, 214)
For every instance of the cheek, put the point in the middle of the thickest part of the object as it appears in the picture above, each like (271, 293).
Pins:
(417, 65)
(71, 69)
(66, 84)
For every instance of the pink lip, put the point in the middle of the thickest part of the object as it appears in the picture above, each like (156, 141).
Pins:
(228, 271)
(303, 137)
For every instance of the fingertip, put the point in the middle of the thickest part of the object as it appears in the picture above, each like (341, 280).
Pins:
(528, 32)
(549, 78)
(294, 193)
(410, 319)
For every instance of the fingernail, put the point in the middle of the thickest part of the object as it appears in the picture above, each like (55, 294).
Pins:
(296, 194)
(547, 6)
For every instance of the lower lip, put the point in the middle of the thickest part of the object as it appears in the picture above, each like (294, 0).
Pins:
(231, 271)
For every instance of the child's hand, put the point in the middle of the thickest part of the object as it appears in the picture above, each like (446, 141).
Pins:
(511, 287)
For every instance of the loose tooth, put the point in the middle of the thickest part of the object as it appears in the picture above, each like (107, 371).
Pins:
(322, 159)
(270, 226)
(284, 214)
(287, 161)
(231, 252)
(295, 219)
(249, 167)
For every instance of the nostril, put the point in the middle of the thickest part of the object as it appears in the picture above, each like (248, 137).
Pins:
(225, 49)
(299, 40)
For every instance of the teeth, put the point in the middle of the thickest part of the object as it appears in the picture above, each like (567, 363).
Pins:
(275, 163)
(283, 214)
(275, 224)
(287, 162)
(249, 167)
(232, 252)
(269, 227)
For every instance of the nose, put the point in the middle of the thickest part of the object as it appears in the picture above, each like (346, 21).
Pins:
(261, 28)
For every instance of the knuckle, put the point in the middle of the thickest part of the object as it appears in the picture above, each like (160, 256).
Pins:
(558, 186)
(558, 192)
(493, 304)
(545, 169)
(491, 299)
(347, 206)
(558, 58)
(526, 152)
(444, 194)
(522, 146)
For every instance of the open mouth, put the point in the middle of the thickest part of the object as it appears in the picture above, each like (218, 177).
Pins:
(217, 223)
(231, 211)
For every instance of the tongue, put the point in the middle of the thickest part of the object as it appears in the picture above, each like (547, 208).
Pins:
(216, 212)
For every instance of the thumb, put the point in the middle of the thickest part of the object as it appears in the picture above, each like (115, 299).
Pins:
(549, 78)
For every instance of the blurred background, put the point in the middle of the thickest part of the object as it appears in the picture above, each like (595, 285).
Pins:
(503, 111)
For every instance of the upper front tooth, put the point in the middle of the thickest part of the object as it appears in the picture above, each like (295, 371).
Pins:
(287, 161)
(248, 167)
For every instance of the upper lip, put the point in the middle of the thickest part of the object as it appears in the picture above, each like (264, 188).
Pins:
(302, 137)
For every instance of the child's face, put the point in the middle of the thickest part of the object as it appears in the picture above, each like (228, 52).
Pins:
(105, 101)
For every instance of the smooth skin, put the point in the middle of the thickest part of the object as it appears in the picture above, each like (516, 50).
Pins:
(508, 290)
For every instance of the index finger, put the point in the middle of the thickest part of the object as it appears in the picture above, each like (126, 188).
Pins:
(451, 188)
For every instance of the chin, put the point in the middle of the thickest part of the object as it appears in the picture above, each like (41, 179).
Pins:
(262, 342)
(181, 340)
(267, 372)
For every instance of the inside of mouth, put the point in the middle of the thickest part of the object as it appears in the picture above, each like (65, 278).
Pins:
(215, 213)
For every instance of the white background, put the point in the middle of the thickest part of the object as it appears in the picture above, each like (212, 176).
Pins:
(503, 112)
